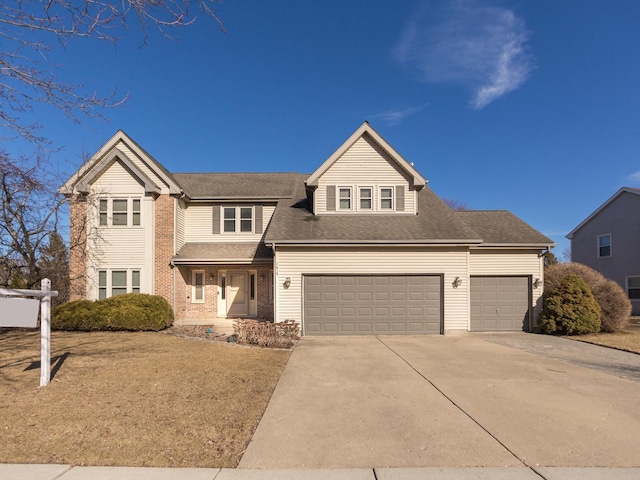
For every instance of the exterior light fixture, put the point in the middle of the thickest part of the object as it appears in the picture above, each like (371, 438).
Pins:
(537, 283)
(287, 283)
(457, 282)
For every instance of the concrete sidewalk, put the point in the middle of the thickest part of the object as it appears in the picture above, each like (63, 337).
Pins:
(68, 472)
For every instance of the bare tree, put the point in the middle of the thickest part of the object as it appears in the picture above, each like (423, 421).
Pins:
(455, 205)
(28, 215)
(30, 29)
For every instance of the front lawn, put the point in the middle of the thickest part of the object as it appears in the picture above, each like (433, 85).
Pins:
(627, 339)
(132, 399)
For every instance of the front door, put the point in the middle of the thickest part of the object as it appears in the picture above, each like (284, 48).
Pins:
(237, 298)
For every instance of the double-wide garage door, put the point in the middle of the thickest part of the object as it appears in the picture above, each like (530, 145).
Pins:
(372, 304)
(499, 304)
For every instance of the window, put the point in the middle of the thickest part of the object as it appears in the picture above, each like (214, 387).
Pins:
(223, 285)
(117, 282)
(345, 199)
(103, 212)
(119, 212)
(246, 219)
(366, 202)
(197, 286)
(386, 198)
(237, 220)
(604, 245)
(135, 212)
(633, 287)
(270, 286)
(102, 284)
(252, 286)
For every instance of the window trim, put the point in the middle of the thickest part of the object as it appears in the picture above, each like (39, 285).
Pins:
(370, 198)
(106, 215)
(630, 277)
(340, 198)
(194, 286)
(237, 219)
(381, 198)
(107, 286)
(600, 247)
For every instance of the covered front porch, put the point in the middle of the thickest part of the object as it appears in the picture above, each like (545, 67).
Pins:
(216, 283)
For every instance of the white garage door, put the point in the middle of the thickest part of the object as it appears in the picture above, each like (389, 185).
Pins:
(372, 304)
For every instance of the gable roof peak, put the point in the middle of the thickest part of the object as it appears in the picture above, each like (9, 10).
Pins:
(418, 181)
(634, 191)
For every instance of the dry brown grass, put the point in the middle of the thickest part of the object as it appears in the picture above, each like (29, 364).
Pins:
(132, 399)
(627, 339)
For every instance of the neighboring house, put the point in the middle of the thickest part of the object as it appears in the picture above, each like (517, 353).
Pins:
(608, 241)
(360, 246)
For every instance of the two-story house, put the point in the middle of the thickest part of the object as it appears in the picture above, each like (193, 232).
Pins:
(360, 246)
(608, 241)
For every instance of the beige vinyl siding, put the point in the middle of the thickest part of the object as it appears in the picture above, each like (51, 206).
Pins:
(180, 224)
(198, 225)
(126, 247)
(117, 180)
(294, 262)
(143, 167)
(511, 263)
(364, 165)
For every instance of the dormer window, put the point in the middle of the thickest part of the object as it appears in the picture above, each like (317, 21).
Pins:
(366, 198)
(386, 198)
(345, 198)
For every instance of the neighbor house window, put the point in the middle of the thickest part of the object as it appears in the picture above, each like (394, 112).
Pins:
(386, 198)
(197, 286)
(223, 286)
(633, 287)
(119, 212)
(270, 286)
(117, 282)
(237, 220)
(345, 198)
(366, 200)
(604, 245)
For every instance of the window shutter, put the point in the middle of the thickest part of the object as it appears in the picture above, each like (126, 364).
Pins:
(331, 198)
(257, 228)
(216, 219)
(400, 198)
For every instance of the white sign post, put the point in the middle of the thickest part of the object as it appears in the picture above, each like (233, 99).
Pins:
(16, 311)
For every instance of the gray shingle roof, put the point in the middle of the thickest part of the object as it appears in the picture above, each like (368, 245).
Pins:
(223, 253)
(436, 223)
(237, 185)
(502, 227)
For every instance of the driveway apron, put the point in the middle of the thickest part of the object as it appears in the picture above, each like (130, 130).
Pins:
(445, 402)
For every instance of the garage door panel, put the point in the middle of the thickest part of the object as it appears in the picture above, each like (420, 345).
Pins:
(499, 303)
(377, 304)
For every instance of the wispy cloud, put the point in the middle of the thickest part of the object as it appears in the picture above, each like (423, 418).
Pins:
(634, 177)
(394, 117)
(484, 48)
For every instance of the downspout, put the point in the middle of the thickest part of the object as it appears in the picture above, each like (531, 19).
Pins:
(275, 284)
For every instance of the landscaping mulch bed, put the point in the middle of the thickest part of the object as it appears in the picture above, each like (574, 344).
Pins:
(132, 399)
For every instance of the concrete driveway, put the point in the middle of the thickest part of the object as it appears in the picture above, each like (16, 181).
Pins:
(444, 402)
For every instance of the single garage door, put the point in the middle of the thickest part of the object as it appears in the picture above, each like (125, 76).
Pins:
(499, 304)
(372, 304)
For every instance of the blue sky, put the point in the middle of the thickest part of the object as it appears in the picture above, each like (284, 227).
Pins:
(529, 106)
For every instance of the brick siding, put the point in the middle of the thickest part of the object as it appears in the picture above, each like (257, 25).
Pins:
(164, 247)
(77, 248)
